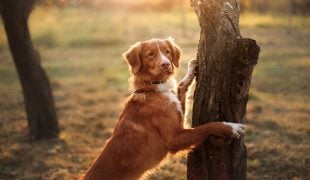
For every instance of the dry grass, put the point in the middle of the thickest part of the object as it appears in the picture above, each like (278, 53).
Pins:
(81, 51)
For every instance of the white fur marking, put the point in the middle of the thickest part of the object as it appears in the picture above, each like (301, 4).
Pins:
(163, 58)
(173, 98)
(237, 128)
(166, 88)
(169, 85)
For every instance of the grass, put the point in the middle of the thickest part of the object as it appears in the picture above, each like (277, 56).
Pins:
(81, 52)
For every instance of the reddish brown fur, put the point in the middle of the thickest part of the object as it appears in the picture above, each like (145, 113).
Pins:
(150, 126)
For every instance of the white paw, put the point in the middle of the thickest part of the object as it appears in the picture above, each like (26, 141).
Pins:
(192, 64)
(237, 129)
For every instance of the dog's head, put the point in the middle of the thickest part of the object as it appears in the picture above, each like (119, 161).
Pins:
(154, 59)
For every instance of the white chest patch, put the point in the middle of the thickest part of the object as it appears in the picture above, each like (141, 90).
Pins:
(166, 89)
(173, 99)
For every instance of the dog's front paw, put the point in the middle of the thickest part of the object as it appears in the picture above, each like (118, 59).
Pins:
(237, 129)
(192, 66)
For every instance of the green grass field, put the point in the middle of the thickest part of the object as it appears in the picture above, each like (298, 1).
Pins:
(81, 52)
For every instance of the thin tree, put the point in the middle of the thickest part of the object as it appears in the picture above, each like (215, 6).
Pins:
(39, 103)
(225, 65)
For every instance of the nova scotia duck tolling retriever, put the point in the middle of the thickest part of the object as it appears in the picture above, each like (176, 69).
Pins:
(151, 124)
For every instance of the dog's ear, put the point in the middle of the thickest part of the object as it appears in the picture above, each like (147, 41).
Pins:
(132, 56)
(176, 51)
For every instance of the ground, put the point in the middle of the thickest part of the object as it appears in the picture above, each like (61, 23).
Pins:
(81, 52)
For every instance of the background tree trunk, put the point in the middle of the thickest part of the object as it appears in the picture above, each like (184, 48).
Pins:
(225, 65)
(39, 103)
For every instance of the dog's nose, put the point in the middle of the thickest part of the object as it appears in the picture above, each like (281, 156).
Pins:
(165, 64)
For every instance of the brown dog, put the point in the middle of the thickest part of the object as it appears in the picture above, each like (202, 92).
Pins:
(151, 124)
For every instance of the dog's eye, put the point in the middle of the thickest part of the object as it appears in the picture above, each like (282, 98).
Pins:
(167, 51)
(151, 54)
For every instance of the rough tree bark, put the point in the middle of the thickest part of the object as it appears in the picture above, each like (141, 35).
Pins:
(39, 103)
(225, 65)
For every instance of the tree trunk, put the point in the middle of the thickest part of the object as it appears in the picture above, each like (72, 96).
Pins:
(225, 65)
(39, 103)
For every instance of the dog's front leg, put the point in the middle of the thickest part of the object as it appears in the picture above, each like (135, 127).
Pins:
(186, 82)
(185, 138)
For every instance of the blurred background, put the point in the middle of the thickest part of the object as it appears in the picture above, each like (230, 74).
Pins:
(81, 42)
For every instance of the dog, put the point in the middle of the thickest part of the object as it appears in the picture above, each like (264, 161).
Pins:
(151, 124)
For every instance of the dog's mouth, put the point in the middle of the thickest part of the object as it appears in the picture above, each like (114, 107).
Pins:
(167, 70)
